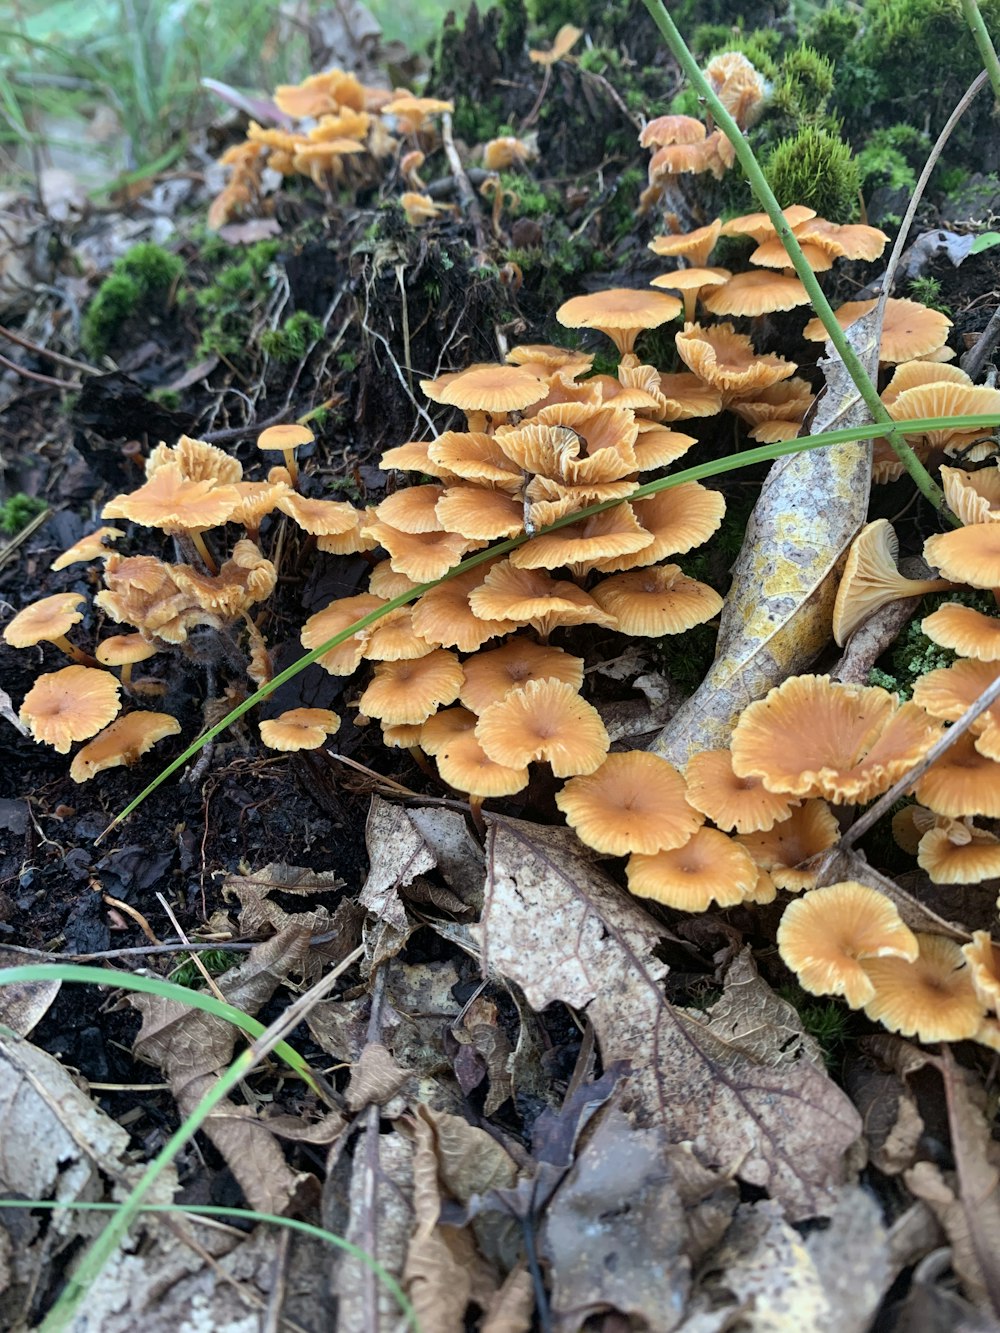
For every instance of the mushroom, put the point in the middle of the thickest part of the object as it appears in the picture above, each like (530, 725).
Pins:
(680, 518)
(421, 556)
(772, 254)
(549, 358)
(965, 631)
(909, 329)
(945, 399)
(123, 742)
(177, 506)
(298, 729)
(634, 802)
(973, 497)
(563, 42)
(741, 804)
(787, 401)
(413, 113)
(620, 312)
(506, 152)
(871, 580)
(544, 721)
(444, 726)
(420, 208)
(759, 226)
(531, 597)
(70, 705)
(385, 582)
(322, 161)
(656, 446)
(88, 548)
(694, 246)
(738, 86)
(687, 395)
(657, 600)
(843, 240)
(480, 514)
(318, 94)
(285, 439)
(412, 509)
(409, 691)
(490, 676)
(345, 659)
(962, 782)
(414, 456)
(613, 532)
(930, 997)
(947, 692)
(983, 959)
(409, 166)
(726, 359)
(967, 555)
(956, 852)
(474, 456)
(49, 620)
(665, 130)
(690, 283)
(805, 831)
(756, 294)
(708, 868)
(464, 764)
(320, 518)
(847, 743)
(125, 650)
(825, 935)
(493, 390)
(444, 617)
(198, 461)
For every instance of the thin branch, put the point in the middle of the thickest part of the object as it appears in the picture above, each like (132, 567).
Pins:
(981, 351)
(68, 386)
(45, 352)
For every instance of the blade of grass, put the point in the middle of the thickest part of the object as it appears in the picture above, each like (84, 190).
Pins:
(868, 391)
(974, 18)
(765, 454)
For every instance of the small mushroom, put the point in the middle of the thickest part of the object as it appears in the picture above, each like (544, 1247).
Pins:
(544, 721)
(171, 502)
(123, 742)
(444, 617)
(983, 959)
(694, 246)
(708, 868)
(91, 547)
(965, 631)
(409, 691)
(909, 329)
(285, 440)
(871, 580)
(726, 359)
(490, 676)
(655, 601)
(690, 283)
(741, 804)
(464, 764)
(620, 312)
(930, 997)
(805, 831)
(634, 802)
(967, 555)
(755, 293)
(532, 597)
(298, 729)
(956, 852)
(70, 705)
(48, 621)
(962, 782)
(124, 650)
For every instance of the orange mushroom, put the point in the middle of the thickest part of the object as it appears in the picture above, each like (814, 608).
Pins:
(409, 691)
(70, 705)
(125, 741)
(49, 620)
(871, 580)
(286, 439)
(544, 721)
(741, 804)
(531, 597)
(806, 831)
(88, 548)
(490, 677)
(620, 312)
(708, 868)
(298, 729)
(726, 359)
(175, 505)
(634, 802)
(930, 997)
(658, 600)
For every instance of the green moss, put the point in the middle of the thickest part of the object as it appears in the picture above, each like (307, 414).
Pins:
(138, 283)
(818, 169)
(215, 962)
(169, 398)
(17, 511)
(828, 1022)
(227, 305)
(291, 342)
(531, 200)
(891, 158)
(914, 654)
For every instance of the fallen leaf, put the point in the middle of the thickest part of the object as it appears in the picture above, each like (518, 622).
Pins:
(512, 1307)
(375, 1078)
(764, 1026)
(893, 1125)
(853, 1260)
(338, 931)
(976, 1165)
(562, 930)
(24, 1004)
(777, 614)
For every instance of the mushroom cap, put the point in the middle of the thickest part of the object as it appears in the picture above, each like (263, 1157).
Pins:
(983, 959)
(687, 395)
(851, 240)
(257, 498)
(198, 461)
(88, 548)
(967, 555)
(663, 130)
(871, 580)
(962, 782)
(806, 831)
(824, 936)
(488, 388)
(759, 226)
(959, 853)
(409, 691)
(288, 436)
(931, 997)
(490, 676)
(298, 729)
(70, 705)
(613, 532)
(708, 868)
(480, 514)
(464, 764)
(620, 312)
(505, 152)
(412, 509)
(384, 582)
(738, 85)
(772, 254)
(657, 446)
(634, 802)
(973, 497)
(47, 619)
(125, 650)
(680, 518)
(550, 357)
(909, 329)
(847, 743)
(658, 600)
(406, 736)
(552, 444)
(531, 597)
(123, 742)
(726, 359)
(420, 207)
(965, 631)
(246, 577)
(945, 399)
(351, 540)
(544, 721)
(322, 518)
(911, 374)
(563, 42)
(393, 638)
(788, 400)
(345, 659)
(444, 726)
(551, 500)
(444, 617)
(172, 503)
(421, 556)
(415, 456)
(695, 246)
(948, 691)
(472, 455)
(741, 804)
(755, 293)
(691, 279)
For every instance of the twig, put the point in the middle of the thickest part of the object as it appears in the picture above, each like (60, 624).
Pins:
(46, 353)
(69, 386)
(209, 979)
(885, 803)
(238, 432)
(466, 194)
(981, 351)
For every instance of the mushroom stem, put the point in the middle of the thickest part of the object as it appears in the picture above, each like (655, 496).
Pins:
(71, 650)
(127, 675)
(293, 467)
(690, 305)
(203, 551)
(421, 761)
(476, 811)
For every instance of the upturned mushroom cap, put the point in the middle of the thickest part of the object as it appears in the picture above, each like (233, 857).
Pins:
(394, 639)
(965, 631)
(695, 246)
(444, 726)
(658, 600)
(574, 444)
(687, 395)
(962, 782)
(743, 805)
(663, 130)
(487, 388)
(912, 374)
(871, 580)
(563, 42)
(88, 548)
(680, 518)
(973, 497)
(322, 518)
(532, 597)
(464, 764)
(772, 254)
(620, 312)
(843, 240)
(46, 620)
(959, 853)
(480, 514)
(708, 868)
(299, 729)
(948, 691)
(549, 357)
(847, 743)
(613, 532)
(415, 456)
(323, 625)
(788, 400)
(760, 227)
(198, 461)
(740, 88)
(806, 831)
(412, 509)
(931, 997)
(123, 742)
(967, 555)
(170, 502)
(409, 691)
(656, 446)
(909, 329)
(421, 556)
(472, 455)
(726, 359)
(756, 293)
(983, 959)
(946, 399)
(70, 705)
(825, 935)
(490, 677)
(635, 802)
(544, 721)
(384, 582)
(444, 617)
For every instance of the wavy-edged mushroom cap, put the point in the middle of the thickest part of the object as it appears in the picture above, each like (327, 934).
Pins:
(973, 497)
(550, 358)
(947, 692)
(956, 852)
(946, 399)
(663, 130)
(480, 514)
(172, 503)
(967, 555)
(740, 88)
(965, 631)
(544, 721)
(871, 580)
(694, 246)
(909, 329)
(709, 868)
(496, 389)
(464, 764)
(198, 461)
(70, 705)
(689, 283)
(384, 582)
(298, 729)
(727, 361)
(409, 691)
(851, 240)
(756, 293)
(687, 395)
(620, 312)
(811, 736)
(48, 621)
(490, 677)
(635, 802)
(962, 782)
(680, 518)
(345, 659)
(743, 805)
(532, 597)
(421, 556)
(772, 254)
(611, 533)
(931, 997)
(444, 726)
(91, 547)
(351, 540)
(444, 617)
(656, 446)
(412, 509)
(912, 374)
(321, 518)
(760, 227)
(788, 400)
(658, 600)
(825, 936)
(472, 455)
(809, 829)
(983, 959)
(394, 639)
(416, 456)
(125, 741)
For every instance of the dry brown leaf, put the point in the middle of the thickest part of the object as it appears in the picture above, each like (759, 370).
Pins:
(976, 1156)
(261, 915)
(484, 1051)
(25, 1004)
(374, 1079)
(764, 1026)
(777, 614)
(564, 931)
(512, 1307)
(892, 1124)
